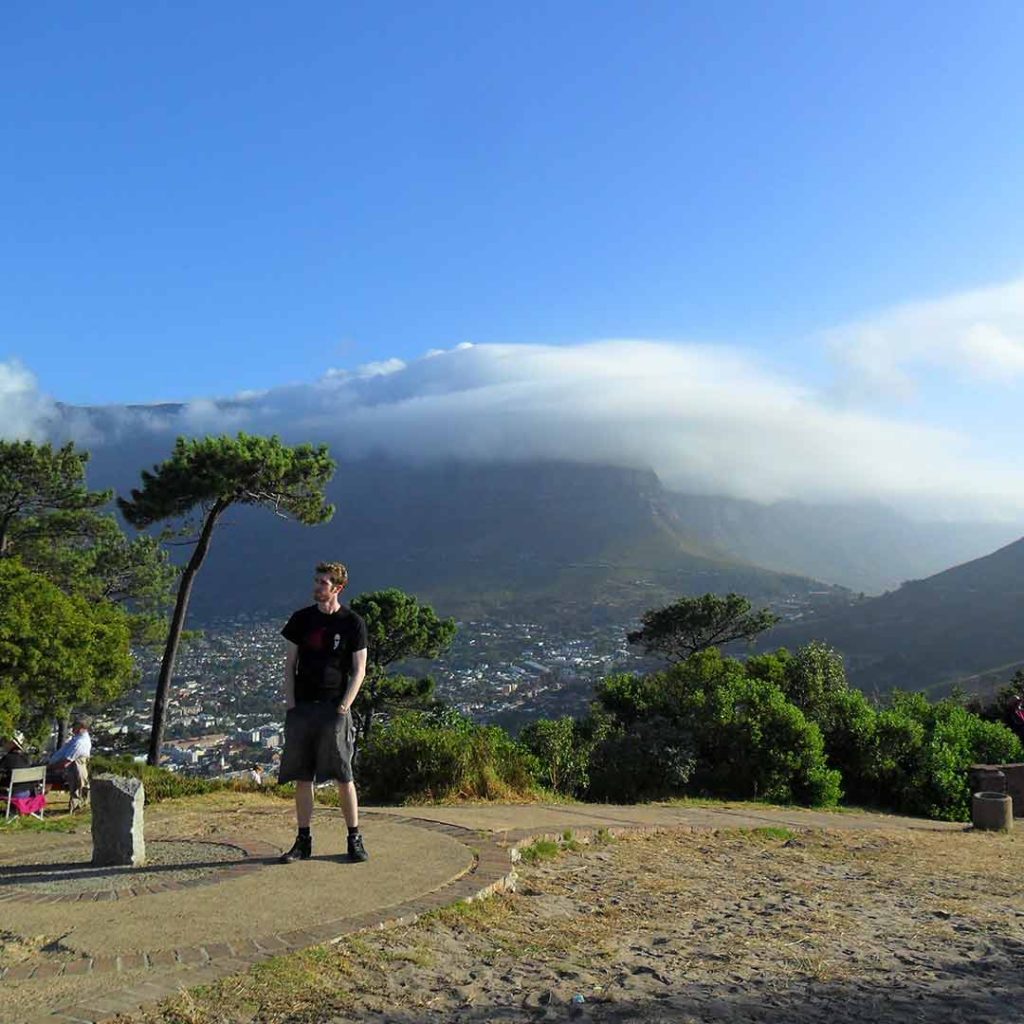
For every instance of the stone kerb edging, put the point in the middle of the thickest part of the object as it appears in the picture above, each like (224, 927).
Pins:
(250, 848)
(491, 871)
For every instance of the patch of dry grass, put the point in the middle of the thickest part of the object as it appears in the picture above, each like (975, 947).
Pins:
(655, 914)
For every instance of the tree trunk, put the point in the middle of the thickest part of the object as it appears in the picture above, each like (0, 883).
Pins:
(5, 525)
(156, 735)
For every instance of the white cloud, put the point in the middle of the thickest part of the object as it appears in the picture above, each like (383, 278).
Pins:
(978, 332)
(707, 419)
(24, 411)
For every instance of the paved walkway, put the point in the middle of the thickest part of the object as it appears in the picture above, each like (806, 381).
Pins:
(114, 947)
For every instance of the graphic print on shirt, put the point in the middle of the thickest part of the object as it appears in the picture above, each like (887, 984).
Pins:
(314, 639)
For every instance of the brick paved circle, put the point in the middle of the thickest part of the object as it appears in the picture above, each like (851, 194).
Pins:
(35, 886)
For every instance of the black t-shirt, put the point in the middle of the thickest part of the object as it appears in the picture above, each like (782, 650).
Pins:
(326, 644)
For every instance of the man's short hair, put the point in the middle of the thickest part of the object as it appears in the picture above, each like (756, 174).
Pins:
(81, 722)
(335, 572)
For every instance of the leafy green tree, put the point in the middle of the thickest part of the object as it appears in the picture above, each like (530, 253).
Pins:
(94, 558)
(563, 749)
(51, 522)
(745, 738)
(650, 759)
(36, 481)
(693, 624)
(398, 628)
(57, 652)
(814, 680)
(201, 480)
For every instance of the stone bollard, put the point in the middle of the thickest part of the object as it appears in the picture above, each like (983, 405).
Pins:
(117, 824)
(992, 811)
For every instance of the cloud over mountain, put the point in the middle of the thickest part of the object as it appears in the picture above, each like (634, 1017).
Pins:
(707, 419)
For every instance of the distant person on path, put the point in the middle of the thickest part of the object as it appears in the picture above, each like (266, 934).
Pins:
(72, 760)
(324, 669)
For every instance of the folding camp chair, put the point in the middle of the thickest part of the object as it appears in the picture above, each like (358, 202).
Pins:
(31, 795)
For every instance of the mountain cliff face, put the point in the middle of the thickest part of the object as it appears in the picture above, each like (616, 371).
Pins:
(545, 542)
(953, 627)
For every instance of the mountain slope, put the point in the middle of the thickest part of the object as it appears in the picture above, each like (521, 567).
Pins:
(931, 633)
(865, 547)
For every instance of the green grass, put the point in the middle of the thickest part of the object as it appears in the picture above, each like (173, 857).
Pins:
(769, 832)
(464, 912)
(541, 849)
(570, 842)
(63, 823)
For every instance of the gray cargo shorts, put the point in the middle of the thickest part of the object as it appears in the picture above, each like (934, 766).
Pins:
(318, 744)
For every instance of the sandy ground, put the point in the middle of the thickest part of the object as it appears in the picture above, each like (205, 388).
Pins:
(685, 927)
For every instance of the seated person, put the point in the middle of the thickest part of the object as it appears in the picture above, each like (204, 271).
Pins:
(14, 756)
(73, 760)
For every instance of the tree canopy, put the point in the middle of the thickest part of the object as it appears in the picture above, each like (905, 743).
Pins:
(693, 624)
(52, 523)
(57, 652)
(201, 480)
(37, 481)
(398, 628)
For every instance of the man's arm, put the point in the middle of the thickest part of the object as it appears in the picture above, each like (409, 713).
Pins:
(291, 659)
(358, 675)
(62, 755)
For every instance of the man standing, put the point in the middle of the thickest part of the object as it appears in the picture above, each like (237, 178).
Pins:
(324, 668)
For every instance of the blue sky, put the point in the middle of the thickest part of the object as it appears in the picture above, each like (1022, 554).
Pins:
(203, 199)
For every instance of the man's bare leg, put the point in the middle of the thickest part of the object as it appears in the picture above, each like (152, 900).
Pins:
(349, 803)
(303, 803)
(302, 848)
(350, 808)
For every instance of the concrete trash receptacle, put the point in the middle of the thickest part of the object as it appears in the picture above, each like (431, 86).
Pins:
(992, 811)
(986, 778)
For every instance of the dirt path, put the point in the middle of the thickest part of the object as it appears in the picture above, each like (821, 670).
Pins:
(686, 927)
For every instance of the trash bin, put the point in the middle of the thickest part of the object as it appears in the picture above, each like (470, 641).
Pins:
(991, 810)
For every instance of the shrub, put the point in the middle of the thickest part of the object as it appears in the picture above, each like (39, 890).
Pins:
(650, 760)
(158, 783)
(922, 751)
(563, 749)
(745, 737)
(814, 680)
(411, 758)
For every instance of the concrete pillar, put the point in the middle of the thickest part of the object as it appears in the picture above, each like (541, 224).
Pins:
(117, 821)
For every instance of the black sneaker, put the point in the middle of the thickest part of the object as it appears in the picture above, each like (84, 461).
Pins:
(356, 850)
(302, 849)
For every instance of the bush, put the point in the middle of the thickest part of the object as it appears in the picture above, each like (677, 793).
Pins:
(412, 758)
(650, 760)
(158, 783)
(563, 751)
(745, 737)
(814, 680)
(922, 752)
